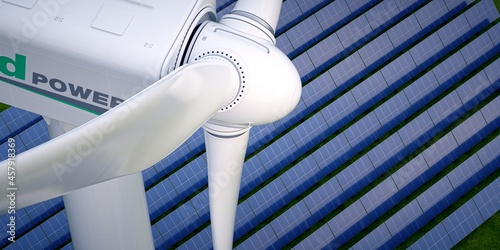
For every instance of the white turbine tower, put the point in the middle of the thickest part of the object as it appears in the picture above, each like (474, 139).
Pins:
(229, 76)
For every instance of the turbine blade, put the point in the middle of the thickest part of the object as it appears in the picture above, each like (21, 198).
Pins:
(127, 139)
(225, 164)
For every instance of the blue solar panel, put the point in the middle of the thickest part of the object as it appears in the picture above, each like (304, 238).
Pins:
(149, 175)
(304, 66)
(422, 90)
(463, 177)
(405, 222)
(190, 177)
(427, 51)
(301, 35)
(437, 238)
(35, 135)
(370, 91)
(203, 240)
(347, 71)
(301, 176)
(245, 219)
(196, 141)
(381, 198)
(284, 45)
(260, 135)
(463, 221)
(34, 239)
(404, 33)
(57, 229)
(432, 15)
(290, 13)
(327, 51)
(481, 14)
(297, 114)
(268, 199)
(376, 239)
(279, 154)
(363, 132)
(354, 32)
(493, 72)
(411, 175)
(253, 175)
(436, 198)
(441, 111)
(68, 246)
(333, 15)
(454, 32)
(309, 6)
(490, 153)
(309, 133)
(4, 151)
(325, 198)
(437, 159)
(347, 221)
(200, 204)
(357, 6)
(491, 112)
(38, 212)
(290, 224)
(382, 14)
(393, 111)
(399, 71)
(406, 5)
(23, 224)
(356, 176)
(177, 224)
(478, 51)
(318, 239)
(18, 120)
(488, 200)
(5, 133)
(465, 132)
(176, 158)
(494, 34)
(466, 170)
(161, 197)
(340, 111)
(475, 89)
(262, 239)
(318, 91)
(457, 3)
(387, 153)
(330, 159)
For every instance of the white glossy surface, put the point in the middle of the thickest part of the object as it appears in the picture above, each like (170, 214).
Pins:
(225, 165)
(83, 42)
(125, 140)
(110, 215)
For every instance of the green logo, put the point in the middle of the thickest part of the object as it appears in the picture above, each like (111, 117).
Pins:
(14, 67)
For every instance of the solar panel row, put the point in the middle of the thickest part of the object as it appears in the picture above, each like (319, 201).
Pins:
(435, 199)
(470, 215)
(389, 152)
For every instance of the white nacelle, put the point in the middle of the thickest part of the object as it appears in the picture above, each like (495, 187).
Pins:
(72, 60)
(270, 86)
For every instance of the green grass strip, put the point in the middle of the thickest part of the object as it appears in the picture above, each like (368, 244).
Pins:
(3, 107)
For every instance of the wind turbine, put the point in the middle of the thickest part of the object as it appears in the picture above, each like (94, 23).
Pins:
(122, 83)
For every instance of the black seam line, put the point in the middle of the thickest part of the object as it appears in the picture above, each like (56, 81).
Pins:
(60, 98)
